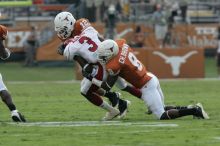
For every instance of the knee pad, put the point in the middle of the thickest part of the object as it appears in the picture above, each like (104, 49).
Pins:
(121, 83)
(85, 86)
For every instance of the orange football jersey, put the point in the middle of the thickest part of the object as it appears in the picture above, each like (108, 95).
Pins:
(128, 66)
(80, 25)
(3, 32)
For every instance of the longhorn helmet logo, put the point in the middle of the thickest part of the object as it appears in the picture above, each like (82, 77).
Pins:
(175, 61)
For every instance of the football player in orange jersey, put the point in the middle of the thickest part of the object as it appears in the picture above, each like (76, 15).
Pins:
(4, 94)
(80, 42)
(121, 62)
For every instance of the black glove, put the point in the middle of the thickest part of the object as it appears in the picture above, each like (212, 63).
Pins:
(61, 49)
(88, 68)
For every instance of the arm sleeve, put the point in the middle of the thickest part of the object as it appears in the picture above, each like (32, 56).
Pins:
(109, 82)
(70, 51)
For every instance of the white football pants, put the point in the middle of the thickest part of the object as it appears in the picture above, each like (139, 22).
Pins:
(153, 96)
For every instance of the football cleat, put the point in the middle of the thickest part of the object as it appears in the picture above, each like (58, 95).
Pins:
(201, 112)
(111, 115)
(17, 116)
(123, 107)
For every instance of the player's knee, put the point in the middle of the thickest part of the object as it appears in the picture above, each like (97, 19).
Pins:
(83, 91)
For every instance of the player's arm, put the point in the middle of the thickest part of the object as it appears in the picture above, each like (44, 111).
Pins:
(106, 85)
(4, 52)
(111, 79)
(87, 69)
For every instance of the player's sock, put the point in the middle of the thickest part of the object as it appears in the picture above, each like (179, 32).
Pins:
(176, 113)
(93, 98)
(11, 107)
(188, 111)
(134, 91)
(113, 97)
(106, 106)
(168, 107)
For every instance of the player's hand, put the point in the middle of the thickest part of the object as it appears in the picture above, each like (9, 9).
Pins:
(88, 68)
(61, 49)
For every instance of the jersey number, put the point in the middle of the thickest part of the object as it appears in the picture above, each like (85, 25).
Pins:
(132, 58)
(93, 46)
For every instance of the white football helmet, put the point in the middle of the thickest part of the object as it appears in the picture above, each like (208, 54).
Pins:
(64, 24)
(106, 51)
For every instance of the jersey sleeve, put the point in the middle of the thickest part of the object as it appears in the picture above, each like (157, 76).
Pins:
(71, 49)
(113, 67)
(3, 32)
(80, 26)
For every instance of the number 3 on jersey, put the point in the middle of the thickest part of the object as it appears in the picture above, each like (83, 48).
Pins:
(93, 46)
(132, 58)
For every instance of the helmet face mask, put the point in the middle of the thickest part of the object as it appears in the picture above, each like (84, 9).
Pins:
(106, 51)
(64, 24)
(63, 33)
(104, 58)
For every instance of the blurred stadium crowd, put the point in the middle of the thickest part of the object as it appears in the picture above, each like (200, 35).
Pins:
(158, 14)
(143, 23)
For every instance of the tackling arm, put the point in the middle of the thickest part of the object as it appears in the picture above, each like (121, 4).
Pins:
(4, 52)
(106, 85)
(87, 69)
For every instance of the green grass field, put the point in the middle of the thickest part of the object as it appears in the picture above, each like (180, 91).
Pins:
(78, 121)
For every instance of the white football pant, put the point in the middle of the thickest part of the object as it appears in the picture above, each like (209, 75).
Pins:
(153, 96)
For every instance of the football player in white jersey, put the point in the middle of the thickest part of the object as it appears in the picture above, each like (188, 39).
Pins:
(80, 42)
(4, 94)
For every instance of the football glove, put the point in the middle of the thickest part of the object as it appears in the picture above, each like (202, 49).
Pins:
(88, 71)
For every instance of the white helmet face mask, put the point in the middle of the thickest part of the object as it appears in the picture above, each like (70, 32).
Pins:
(64, 23)
(106, 51)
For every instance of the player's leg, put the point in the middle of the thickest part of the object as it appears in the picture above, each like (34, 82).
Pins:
(121, 84)
(89, 91)
(7, 99)
(154, 98)
(169, 107)
(196, 111)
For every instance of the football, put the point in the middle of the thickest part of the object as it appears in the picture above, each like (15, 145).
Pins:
(3, 32)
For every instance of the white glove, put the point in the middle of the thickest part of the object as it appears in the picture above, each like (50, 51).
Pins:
(8, 53)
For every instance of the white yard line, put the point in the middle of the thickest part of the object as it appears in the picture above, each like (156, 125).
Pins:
(94, 124)
(217, 138)
(43, 82)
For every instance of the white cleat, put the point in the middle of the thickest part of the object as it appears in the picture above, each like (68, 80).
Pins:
(204, 114)
(17, 116)
(111, 115)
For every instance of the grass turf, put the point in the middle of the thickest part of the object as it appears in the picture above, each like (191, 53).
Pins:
(53, 101)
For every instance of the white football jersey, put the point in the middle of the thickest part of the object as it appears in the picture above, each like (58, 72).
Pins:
(83, 45)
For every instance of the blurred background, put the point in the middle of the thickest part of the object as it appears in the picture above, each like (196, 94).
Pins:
(173, 38)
